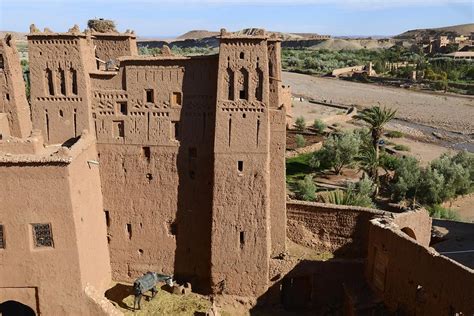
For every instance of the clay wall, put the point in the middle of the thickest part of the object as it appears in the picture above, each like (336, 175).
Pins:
(413, 279)
(339, 229)
(287, 104)
(111, 46)
(277, 151)
(415, 223)
(340, 71)
(157, 174)
(241, 207)
(13, 101)
(51, 279)
(60, 88)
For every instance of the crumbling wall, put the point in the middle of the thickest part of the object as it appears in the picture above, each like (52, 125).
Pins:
(340, 229)
(415, 223)
(414, 279)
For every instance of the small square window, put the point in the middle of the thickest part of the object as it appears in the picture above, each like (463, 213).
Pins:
(2, 238)
(122, 108)
(176, 98)
(175, 130)
(149, 96)
(242, 55)
(42, 234)
(118, 129)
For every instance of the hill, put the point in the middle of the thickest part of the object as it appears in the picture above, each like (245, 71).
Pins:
(197, 34)
(19, 36)
(462, 29)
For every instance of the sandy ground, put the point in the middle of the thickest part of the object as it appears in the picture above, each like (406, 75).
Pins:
(313, 111)
(444, 111)
(464, 206)
(424, 152)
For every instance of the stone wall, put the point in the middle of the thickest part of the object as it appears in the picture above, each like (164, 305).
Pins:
(340, 229)
(413, 279)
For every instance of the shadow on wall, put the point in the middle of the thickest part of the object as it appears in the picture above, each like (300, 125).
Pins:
(311, 288)
(195, 132)
(14, 308)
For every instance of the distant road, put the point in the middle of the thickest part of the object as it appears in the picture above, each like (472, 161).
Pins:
(448, 112)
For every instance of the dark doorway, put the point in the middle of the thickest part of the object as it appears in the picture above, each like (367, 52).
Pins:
(14, 308)
(296, 292)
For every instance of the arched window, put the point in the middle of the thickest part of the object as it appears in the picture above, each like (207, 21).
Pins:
(230, 84)
(73, 74)
(409, 232)
(243, 83)
(259, 87)
(49, 81)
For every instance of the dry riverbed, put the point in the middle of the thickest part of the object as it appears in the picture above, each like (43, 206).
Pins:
(449, 112)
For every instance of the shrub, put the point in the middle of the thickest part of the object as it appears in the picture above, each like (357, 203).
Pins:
(357, 194)
(437, 211)
(457, 179)
(300, 123)
(338, 152)
(401, 147)
(406, 179)
(394, 134)
(319, 126)
(389, 162)
(445, 178)
(306, 189)
(300, 141)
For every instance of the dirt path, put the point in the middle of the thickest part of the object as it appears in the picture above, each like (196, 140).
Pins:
(447, 112)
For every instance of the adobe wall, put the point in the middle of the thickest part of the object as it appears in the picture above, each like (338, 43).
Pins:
(241, 212)
(111, 46)
(87, 207)
(55, 276)
(13, 101)
(340, 71)
(60, 87)
(277, 150)
(156, 175)
(418, 222)
(414, 279)
(339, 229)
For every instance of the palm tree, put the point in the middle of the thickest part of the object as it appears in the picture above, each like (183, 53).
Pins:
(368, 161)
(376, 118)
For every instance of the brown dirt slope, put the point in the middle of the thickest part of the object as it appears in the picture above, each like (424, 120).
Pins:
(464, 29)
(197, 34)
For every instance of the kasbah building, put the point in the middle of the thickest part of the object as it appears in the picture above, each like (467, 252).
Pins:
(121, 164)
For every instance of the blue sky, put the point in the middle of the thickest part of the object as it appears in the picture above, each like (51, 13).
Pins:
(174, 17)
